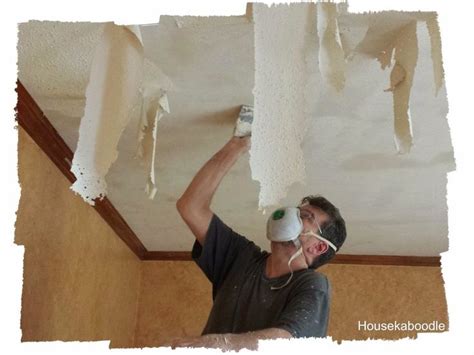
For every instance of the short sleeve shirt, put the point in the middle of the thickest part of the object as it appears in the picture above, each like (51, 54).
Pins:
(242, 294)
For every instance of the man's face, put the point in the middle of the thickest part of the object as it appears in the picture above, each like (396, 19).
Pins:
(312, 218)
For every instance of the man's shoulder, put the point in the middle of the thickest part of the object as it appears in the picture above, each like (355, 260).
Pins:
(313, 280)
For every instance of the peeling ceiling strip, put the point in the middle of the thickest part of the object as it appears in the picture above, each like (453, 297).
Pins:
(155, 84)
(135, 30)
(401, 77)
(436, 56)
(276, 157)
(115, 78)
(385, 57)
(154, 106)
(331, 54)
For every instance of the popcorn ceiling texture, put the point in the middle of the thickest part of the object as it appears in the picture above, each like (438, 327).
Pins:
(393, 204)
(60, 86)
(276, 158)
(45, 65)
(115, 78)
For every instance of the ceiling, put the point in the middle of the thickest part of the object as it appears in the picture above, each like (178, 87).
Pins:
(393, 204)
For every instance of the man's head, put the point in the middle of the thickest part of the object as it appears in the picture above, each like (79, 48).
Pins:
(322, 217)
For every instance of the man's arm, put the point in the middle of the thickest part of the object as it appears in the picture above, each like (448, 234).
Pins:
(194, 205)
(232, 341)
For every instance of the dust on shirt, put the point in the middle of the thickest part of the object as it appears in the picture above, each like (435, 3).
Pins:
(242, 295)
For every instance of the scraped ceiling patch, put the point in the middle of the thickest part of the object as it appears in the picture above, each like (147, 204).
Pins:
(115, 78)
(276, 157)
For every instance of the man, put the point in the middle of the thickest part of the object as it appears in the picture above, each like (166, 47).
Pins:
(252, 301)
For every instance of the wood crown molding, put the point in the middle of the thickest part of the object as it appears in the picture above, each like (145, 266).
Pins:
(37, 125)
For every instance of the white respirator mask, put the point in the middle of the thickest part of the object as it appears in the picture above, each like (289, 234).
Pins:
(285, 225)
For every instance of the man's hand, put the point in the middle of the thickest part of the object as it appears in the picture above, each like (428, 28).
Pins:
(224, 342)
(218, 341)
(240, 143)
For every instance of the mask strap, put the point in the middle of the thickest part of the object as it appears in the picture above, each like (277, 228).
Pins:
(321, 238)
(319, 227)
(293, 257)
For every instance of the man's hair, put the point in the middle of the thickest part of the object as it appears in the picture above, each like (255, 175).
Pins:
(333, 230)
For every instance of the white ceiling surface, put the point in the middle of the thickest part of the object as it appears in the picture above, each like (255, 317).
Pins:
(393, 204)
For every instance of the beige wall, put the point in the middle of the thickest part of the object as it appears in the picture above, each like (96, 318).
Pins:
(81, 281)
(175, 300)
(383, 294)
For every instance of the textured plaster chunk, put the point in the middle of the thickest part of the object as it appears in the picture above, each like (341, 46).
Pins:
(331, 54)
(276, 157)
(405, 56)
(111, 94)
(436, 57)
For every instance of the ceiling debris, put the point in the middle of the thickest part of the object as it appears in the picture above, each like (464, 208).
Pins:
(112, 92)
(154, 106)
(405, 56)
(307, 137)
(110, 106)
(436, 57)
(279, 102)
(402, 49)
(331, 55)
(397, 75)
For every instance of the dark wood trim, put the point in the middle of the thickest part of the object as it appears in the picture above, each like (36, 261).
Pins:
(168, 255)
(36, 124)
(338, 259)
(398, 260)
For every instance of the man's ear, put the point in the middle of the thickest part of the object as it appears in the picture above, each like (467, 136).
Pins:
(321, 248)
(318, 248)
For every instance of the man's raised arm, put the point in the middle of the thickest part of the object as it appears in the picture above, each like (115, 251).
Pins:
(194, 205)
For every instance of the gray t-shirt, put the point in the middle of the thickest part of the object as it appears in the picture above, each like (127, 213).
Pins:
(243, 300)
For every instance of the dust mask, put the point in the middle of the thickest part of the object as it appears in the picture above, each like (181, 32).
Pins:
(284, 225)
